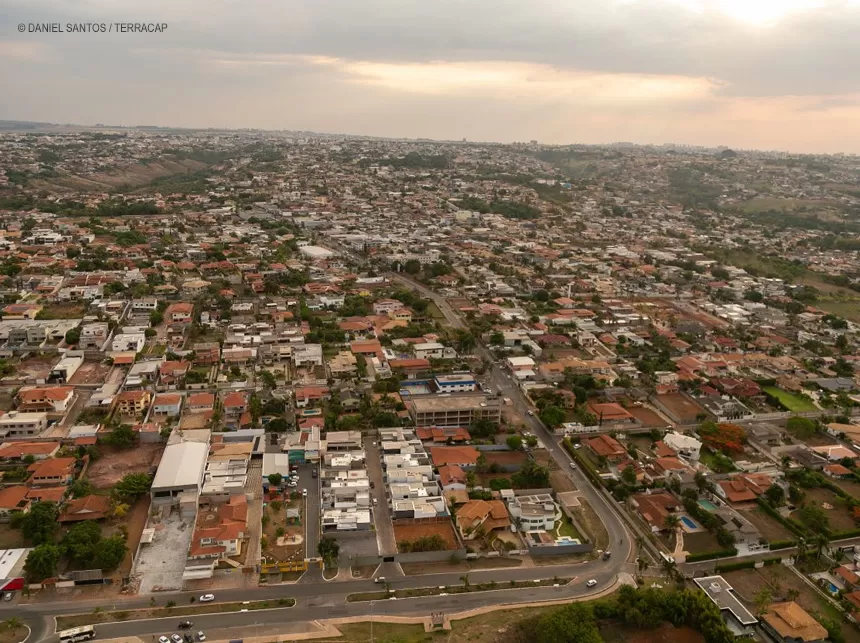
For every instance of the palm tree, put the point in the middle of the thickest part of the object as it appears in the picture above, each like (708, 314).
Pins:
(763, 599)
(671, 522)
(820, 541)
(792, 594)
(465, 579)
(801, 547)
(13, 624)
(669, 567)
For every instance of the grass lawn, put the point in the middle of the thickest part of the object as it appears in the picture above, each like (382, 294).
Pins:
(707, 457)
(793, 402)
(566, 528)
(847, 308)
(434, 312)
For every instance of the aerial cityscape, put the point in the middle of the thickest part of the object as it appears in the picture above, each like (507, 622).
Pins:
(490, 322)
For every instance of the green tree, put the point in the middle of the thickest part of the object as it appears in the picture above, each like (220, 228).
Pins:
(762, 599)
(275, 479)
(73, 336)
(775, 495)
(40, 523)
(514, 442)
(532, 441)
(81, 542)
(801, 427)
(552, 416)
(483, 428)
(42, 562)
(814, 518)
(629, 476)
(497, 339)
(156, 317)
(110, 552)
(572, 623)
(531, 476)
(80, 488)
(329, 550)
(277, 425)
(133, 485)
(268, 379)
(122, 436)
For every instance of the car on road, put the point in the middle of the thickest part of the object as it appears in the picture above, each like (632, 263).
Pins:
(207, 598)
(573, 465)
(314, 473)
(530, 412)
(176, 638)
(591, 583)
(8, 596)
(304, 493)
(201, 636)
(379, 579)
(185, 625)
(375, 502)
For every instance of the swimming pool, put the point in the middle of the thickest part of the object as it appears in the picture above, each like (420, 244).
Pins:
(567, 540)
(707, 505)
(689, 523)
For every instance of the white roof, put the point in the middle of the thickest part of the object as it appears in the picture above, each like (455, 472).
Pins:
(181, 465)
(521, 361)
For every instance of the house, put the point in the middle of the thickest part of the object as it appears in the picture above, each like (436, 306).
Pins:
(735, 491)
(13, 499)
(456, 383)
(94, 335)
(452, 477)
(173, 372)
(433, 350)
(479, 517)
(654, 507)
(235, 404)
(611, 413)
(605, 446)
(128, 342)
(50, 399)
(86, 508)
(20, 450)
(15, 424)
(386, 306)
(305, 395)
(848, 576)
(462, 456)
(837, 471)
(200, 402)
(532, 514)
(835, 453)
(790, 623)
(133, 403)
(442, 435)
(685, 445)
(453, 410)
(180, 312)
(53, 471)
(169, 404)
(219, 534)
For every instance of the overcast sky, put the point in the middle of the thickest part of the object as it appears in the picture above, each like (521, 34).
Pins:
(768, 74)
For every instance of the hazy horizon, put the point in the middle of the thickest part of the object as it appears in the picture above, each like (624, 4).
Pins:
(770, 75)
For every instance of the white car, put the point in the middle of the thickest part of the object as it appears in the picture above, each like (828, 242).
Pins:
(207, 598)
(304, 493)
(591, 583)
(530, 412)
(573, 465)
(163, 639)
(201, 636)
(176, 638)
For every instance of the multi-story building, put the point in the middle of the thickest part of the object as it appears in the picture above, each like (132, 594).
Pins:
(453, 410)
(15, 424)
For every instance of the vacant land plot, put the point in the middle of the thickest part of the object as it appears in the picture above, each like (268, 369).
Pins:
(769, 528)
(646, 416)
(63, 311)
(849, 486)
(285, 537)
(10, 538)
(665, 633)
(591, 523)
(561, 482)
(113, 464)
(701, 541)
(767, 203)
(91, 373)
(793, 402)
(505, 458)
(834, 508)
(683, 408)
(848, 308)
(411, 532)
(36, 367)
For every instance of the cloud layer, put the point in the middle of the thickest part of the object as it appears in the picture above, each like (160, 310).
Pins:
(778, 74)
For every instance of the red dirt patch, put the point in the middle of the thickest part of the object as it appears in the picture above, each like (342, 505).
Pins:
(681, 407)
(115, 463)
(665, 633)
(415, 531)
(646, 417)
(91, 373)
(505, 457)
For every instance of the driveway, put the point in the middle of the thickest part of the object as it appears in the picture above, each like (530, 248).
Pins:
(385, 539)
(312, 507)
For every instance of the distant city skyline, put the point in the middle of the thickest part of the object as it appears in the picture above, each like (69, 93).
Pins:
(754, 74)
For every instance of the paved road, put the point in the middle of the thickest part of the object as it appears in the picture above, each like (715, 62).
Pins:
(330, 606)
(385, 538)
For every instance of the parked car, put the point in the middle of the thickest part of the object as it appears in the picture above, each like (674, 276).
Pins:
(188, 638)
(163, 639)
(185, 625)
(176, 638)
(207, 598)
(591, 583)
(313, 473)
(201, 636)
(375, 502)
(8, 596)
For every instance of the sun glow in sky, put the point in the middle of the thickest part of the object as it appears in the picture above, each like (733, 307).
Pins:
(759, 13)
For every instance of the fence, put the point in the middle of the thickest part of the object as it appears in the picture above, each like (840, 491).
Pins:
(443, 556)
(560, 550)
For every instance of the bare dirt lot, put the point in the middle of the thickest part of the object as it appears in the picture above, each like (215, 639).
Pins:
(701, 541)
(115, 463)
(681, 407)
(415, 531)
(769, 528)
(505, 457)
(665, 633)
(292, 547)
(833, 506)
(849, 486)
(91, 373)
(37, 367)
(646, 416)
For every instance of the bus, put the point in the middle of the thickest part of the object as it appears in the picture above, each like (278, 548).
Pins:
(83, 633)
